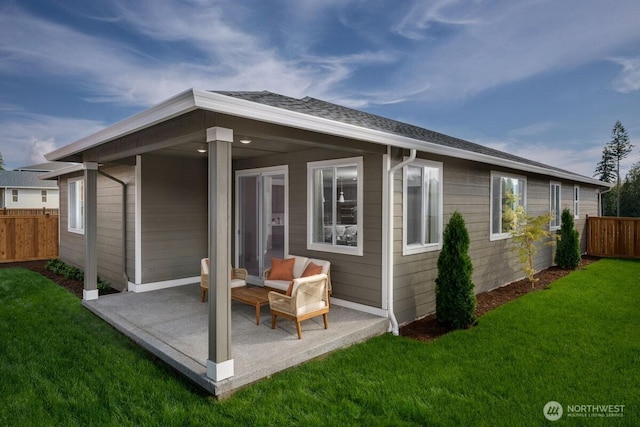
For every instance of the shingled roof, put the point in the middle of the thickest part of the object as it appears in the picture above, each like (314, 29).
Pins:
(318, 108)
(24, 179)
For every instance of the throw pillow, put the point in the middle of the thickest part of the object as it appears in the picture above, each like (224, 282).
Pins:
(311, 270)
(281, 269)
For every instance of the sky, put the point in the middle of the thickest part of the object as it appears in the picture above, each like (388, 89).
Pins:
(543, 79)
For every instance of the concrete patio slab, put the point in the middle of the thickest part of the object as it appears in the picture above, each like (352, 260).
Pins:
(172, 324)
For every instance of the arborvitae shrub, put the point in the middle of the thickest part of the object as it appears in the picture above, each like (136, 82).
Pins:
(455, 298)
(568, 251)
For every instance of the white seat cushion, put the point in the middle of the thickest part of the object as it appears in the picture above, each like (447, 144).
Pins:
(237, 283)
(281, 285)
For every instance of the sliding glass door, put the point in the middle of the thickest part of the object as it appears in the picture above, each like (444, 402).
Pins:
(261, 219)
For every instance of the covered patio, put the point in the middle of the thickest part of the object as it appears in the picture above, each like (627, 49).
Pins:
(173, 325)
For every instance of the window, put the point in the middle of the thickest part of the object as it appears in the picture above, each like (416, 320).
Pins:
(76, 206)
(555, 205)
(334, 200)
(422, 207)
(14, 196)
(507, 191)
(576, 201)
(44, 196)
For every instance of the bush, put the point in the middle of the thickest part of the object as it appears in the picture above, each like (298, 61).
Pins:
(455, 297)
(568, 252)
(60, 268)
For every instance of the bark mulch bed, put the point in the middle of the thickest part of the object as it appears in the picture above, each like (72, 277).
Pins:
(425, 329)
(428, 328)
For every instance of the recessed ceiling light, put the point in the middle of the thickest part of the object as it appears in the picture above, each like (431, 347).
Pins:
(202, 150)
(245, 141)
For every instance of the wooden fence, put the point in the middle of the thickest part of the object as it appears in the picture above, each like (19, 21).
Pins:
(613, 237)
(43, 211)
(28, 237)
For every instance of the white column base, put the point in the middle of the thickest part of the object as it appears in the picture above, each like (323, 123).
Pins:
(220, 371)
(89, 295)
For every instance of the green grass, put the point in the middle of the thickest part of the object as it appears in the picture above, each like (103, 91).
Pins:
(577, 343)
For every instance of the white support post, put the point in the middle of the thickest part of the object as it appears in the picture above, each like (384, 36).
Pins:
(219, 364)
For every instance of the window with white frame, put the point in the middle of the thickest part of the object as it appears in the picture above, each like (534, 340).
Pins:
(334, 200)
(44, 196)
(576, 201)
(555, 190)
(507, 192)
(76, 205)
(422, 207)
(14, 196)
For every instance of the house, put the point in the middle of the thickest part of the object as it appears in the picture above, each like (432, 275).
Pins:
(23, 189)
(246, 176)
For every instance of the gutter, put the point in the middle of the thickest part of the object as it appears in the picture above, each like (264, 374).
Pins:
(600, 193)
(391, 171)
(124, 227)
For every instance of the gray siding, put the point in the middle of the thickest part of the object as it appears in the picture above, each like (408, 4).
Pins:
(467, 189)
(354, 278)
(109, 238)
(174, 217)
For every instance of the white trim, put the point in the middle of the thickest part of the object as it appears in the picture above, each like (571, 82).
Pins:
(427, 247)
(576, 201)
(336, 163)
(386, 224)
(75, 208)
(360, 307)
(193, 99)
(220, 371)
(138, 220)
(502, 236)
(60, 172)
(89, 295)
(558, 209)
(155, 286)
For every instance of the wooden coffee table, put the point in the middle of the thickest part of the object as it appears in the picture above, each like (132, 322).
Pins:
(253, 295)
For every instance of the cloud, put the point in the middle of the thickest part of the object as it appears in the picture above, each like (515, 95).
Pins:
(629, 79)
(511, 41)
(27, 137)
(533, 129)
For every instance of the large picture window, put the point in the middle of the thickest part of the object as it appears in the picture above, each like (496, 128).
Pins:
(76, 205)
(334, 200)
(507, 192)
(422, 207)
(555, 204)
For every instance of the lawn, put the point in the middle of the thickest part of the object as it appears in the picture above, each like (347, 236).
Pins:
(577, 343)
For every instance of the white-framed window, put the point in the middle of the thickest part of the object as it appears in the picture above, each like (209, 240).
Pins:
(421, 207)
(555, 205)
(507, 191)
(76, 205)
(14, 196)
(43, 193)
(576, 201)
(334, 202)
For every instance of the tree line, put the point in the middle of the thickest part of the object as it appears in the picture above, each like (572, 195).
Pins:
(624, 197)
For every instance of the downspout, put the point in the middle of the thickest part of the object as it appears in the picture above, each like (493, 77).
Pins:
(391, 173)
(124, 227)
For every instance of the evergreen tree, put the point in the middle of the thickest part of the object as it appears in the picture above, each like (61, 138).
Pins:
(606, 167)
(455, 297)
(568, 252)
(630, 193)
(619, 148)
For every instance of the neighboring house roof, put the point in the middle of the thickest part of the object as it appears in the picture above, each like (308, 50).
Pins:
(44, 167)
(315, 115)
(23, 179)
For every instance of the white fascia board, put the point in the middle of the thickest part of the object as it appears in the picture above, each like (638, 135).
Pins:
(193, 99)
(252, 110)
(172, 107)
(60, 172)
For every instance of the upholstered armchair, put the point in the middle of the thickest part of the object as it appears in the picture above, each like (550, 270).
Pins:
(309, 298)
(238, 278)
